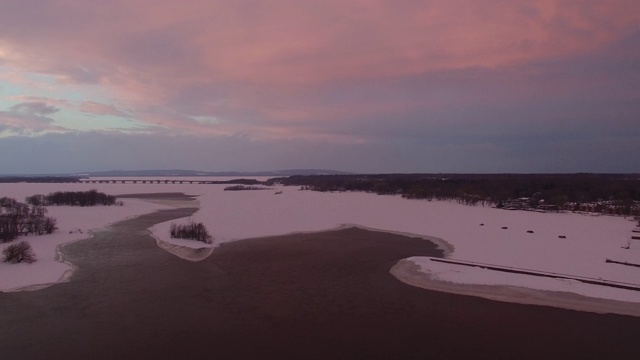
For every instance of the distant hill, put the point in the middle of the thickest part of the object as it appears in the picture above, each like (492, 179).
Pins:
(193, 173)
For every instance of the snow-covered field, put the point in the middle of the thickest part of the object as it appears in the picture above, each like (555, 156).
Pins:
(233, 215)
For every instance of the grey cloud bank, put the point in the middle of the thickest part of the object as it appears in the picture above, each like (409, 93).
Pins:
(94, 151)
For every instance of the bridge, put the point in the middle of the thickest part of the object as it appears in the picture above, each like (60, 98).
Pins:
(147, 181)
(168, 181)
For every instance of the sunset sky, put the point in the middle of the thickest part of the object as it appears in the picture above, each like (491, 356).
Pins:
(360, 86)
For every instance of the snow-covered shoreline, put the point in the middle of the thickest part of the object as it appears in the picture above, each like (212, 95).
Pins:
(550, 292)
(589, 240)
(531, 240)
(75, 224)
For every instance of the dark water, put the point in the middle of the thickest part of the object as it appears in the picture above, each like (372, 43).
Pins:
(314, 296)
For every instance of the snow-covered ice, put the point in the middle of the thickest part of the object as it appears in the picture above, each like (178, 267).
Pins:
(589, 241)
(451, 273)
(234, 215)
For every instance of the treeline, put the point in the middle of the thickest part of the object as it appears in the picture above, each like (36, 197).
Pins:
(192, 231)
(39, 179)
(18, 219)
(563, 191)
(73, 198)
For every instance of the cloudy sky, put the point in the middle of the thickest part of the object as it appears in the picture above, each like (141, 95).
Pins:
(354, 85)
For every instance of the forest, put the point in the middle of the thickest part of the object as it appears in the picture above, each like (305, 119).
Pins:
(603, 193)
(18, 219)
(73, 198)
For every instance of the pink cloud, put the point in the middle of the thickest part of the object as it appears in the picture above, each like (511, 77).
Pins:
(262, 67)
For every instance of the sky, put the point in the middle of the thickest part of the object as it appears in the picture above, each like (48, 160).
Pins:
(367, 86)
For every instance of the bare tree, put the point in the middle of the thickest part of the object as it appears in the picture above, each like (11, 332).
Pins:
(19, 252)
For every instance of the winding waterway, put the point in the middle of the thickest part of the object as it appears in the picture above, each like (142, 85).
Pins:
(322, 295)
